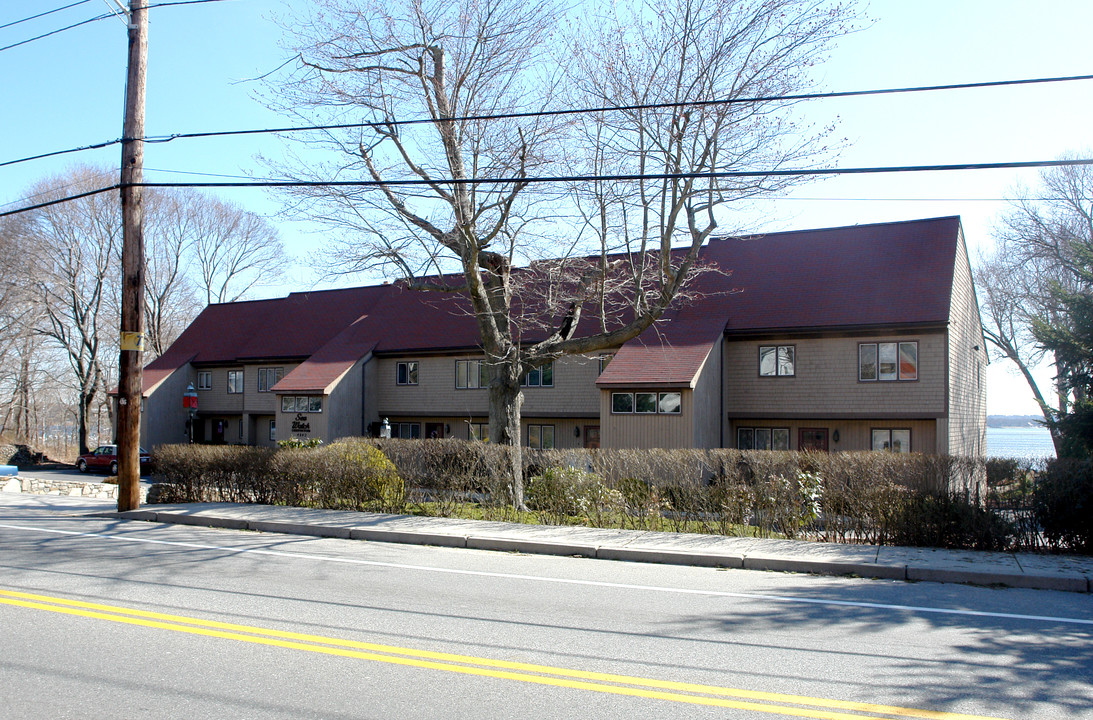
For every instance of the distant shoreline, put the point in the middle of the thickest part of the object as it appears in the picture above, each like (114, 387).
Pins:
(1001, 421)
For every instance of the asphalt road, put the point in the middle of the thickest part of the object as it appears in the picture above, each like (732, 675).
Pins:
(105, 618)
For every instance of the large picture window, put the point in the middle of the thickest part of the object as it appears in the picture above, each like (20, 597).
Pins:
(406, 373)
(892, 440)
(541, 437)
(542, 376)
(406, 430)
(888, 361)
(647, 403)
(759, 438)
(777, 360)
(268, 377)
(302, 403)
(235, 382)
(470, 374)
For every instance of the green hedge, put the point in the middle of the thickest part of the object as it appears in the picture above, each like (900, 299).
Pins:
(876, 498)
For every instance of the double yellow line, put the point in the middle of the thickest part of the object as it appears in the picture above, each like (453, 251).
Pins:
(775, 703)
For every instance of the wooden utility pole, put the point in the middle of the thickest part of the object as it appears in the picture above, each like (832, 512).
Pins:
(130, 372)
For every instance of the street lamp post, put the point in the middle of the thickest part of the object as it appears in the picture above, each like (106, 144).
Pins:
(189, 401)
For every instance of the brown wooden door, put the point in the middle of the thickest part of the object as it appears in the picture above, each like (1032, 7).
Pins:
(434, 431)
(812, 439)
(591, 436)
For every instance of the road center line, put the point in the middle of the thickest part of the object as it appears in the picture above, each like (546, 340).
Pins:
(566, 581)
(651, 688)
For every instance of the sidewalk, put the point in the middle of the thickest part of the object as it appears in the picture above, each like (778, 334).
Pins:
(1019, 570)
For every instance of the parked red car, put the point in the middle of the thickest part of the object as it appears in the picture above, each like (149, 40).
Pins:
(105, 457)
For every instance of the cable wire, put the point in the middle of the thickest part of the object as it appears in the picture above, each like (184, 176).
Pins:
(804, 172)
(541, 113)
(96, 19)
(625, 108)
(43, 14)
(61, 30)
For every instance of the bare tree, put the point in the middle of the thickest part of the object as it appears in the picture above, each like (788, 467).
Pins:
(171, 296)
(1043, 246)
(72, 247)
(235, 250)
(16, 341)
(461, 64)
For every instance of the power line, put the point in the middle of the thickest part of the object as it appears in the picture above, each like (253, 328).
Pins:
(55, 153)
(43, 14)
(95, 19)
(542, 113)
(627, 108)
(803, 172)
(61, 30)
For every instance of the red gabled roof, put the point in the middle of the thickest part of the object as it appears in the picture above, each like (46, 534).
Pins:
(883, 275)
(888, 274)
(296, 326)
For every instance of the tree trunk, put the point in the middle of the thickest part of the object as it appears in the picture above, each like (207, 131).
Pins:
(506, 400)
(83, 420)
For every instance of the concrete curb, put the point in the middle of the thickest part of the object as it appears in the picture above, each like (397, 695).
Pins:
(913, 572)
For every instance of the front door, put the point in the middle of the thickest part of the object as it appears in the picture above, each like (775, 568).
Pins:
(591, 436)
(812, 439)
(434, 431)
(218, 432)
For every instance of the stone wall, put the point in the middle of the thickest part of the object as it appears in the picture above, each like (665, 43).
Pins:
(70, 488)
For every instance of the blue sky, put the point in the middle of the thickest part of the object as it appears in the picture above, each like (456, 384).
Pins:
(67, 90)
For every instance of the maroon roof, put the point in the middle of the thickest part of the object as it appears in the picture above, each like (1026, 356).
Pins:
(883, 275)
(296, 326)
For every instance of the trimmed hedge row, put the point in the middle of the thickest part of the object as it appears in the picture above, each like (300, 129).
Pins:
(877, 498)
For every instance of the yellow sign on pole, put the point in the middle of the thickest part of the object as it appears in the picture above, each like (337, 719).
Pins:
(132, 341)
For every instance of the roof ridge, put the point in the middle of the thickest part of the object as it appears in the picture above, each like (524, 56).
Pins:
(833, 228)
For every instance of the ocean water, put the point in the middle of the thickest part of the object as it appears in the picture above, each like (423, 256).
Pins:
(1019, 442)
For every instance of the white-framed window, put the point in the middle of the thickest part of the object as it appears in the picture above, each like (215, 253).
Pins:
(647, 403)
(542, 376)
(892, 440)
(273, 429)
(541, 437)
(406, 430)
(268, 377)
(888, 361)
(302, 403)
(235, 382)
(406, 373)
(204, 380)
(762, 438)
(777, 360)
(471, 374)
(479, 431)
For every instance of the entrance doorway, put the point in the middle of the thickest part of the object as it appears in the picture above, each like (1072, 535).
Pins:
(812, 439)
(591, 436)
(434, 431)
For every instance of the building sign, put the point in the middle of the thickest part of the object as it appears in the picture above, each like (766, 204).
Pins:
(301, 425)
